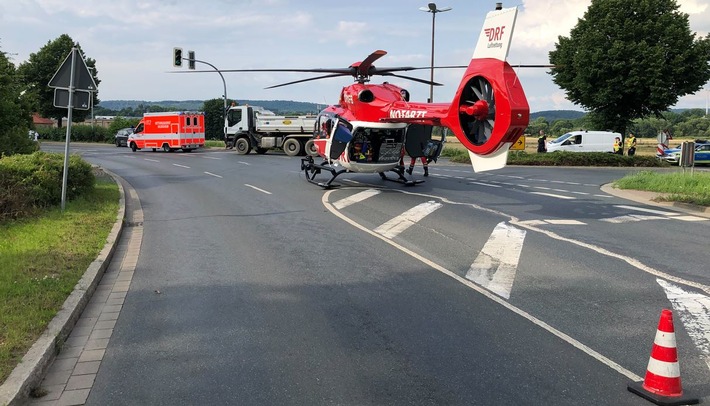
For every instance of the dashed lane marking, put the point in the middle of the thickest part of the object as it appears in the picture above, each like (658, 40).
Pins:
(256, 188)
(212, 174)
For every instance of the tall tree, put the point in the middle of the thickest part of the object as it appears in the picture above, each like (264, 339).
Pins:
(214, 118)
(41, 67)
(15, 115)
(627, 59)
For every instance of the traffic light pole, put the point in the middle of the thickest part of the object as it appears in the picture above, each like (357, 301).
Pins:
(224, 110)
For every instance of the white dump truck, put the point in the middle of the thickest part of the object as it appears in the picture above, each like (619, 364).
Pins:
(248, 127)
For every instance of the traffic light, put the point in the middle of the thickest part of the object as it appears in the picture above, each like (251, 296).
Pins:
(191, 59)
(177, 57)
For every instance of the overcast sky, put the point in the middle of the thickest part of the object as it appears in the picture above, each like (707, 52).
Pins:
(132, 42)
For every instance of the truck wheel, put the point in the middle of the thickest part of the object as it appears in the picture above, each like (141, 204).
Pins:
(166, 148)
(242, 146)
(311, 149)
(133, 147)
(261, 151)
(292, 147)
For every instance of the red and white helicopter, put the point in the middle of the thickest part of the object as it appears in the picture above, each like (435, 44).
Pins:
(370, 126)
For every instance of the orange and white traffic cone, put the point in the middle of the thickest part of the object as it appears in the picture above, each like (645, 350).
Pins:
(662, 383)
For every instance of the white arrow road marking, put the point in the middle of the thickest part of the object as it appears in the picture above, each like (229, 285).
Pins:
(495, 266)
(694, 311)
(393, 227)
(356, 198)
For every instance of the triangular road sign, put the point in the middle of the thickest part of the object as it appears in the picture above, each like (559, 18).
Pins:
(82, 78)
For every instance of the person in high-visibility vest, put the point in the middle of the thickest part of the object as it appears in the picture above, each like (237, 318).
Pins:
(631, 144)
(617, 146)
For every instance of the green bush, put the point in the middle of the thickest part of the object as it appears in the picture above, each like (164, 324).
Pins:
(28, 182)
(562, 158)
(16, 141)
(79, 133)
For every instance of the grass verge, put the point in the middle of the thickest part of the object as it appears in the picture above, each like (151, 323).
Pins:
(42, 259)
(677, 186)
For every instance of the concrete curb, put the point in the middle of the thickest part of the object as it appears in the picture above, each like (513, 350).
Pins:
(29, 372)
(645, 197)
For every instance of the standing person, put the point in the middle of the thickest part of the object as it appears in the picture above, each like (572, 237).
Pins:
(425, 163)
(631, 144)
(617, 146)
(541, 142)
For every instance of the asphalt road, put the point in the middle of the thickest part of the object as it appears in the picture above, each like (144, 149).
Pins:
(519, 286)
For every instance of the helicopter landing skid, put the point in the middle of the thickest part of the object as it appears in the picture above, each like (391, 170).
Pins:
(400, 179)
(311, 169)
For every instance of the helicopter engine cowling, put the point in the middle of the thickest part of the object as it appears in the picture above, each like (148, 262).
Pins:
(490, 108)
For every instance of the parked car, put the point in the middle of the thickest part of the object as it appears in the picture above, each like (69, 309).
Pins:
(122, 136)
(584, 141)
(702, 154)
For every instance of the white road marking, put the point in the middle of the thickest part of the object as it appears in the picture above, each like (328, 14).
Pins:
(212, 174)
(244, 163)
(496, 264)
(689, 218)
(210, 157)
(694, 312)
(356, 198)
(395, 226)
(554, 195)
(491, 296)
(631, 218)
(182, 166)
(565, 222)
(256, 188)
(484, 184)
(652, 211)
(151, 160)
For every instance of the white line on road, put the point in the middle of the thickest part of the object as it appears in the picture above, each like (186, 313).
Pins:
(496, 264)
(502, 302)
(395, 226)
(663, 213)
(484, 184)
(256, 188)
(151, 160)
(356, 198)
(210, 157)
(694, 311)
(244, 163)
(182, 166)
(554, 195)
(212, 174)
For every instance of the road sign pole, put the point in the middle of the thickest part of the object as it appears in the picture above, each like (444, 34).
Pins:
(69, 119)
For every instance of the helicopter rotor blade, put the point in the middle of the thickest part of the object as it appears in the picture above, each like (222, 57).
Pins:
(309, 79)
(426, 82)
(363, 68)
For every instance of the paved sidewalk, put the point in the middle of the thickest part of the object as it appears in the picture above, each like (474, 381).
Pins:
(69, 379)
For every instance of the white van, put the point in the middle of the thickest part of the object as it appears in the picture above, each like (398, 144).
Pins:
(584, 141)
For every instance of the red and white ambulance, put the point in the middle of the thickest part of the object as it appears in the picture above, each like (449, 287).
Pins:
(169, 131)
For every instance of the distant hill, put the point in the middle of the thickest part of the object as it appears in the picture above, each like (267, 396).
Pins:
(290, 106)
(277, 106)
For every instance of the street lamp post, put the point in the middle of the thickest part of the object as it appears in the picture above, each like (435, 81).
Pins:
(431, 8)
